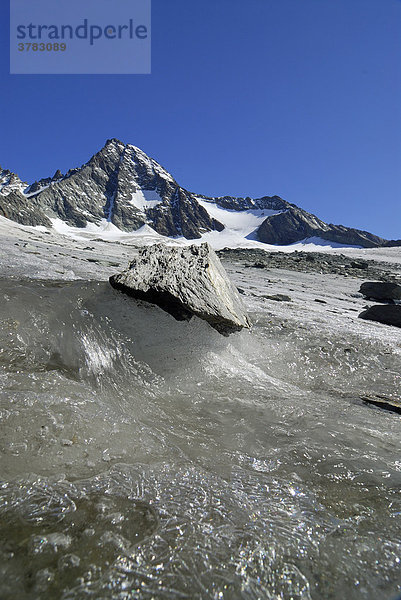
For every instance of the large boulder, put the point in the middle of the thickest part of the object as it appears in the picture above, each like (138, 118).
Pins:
(379, 290)
(389, 314)
(185, 281)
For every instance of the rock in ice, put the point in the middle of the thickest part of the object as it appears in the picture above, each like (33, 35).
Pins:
(388, 314)
(386, 291)
(185, 281)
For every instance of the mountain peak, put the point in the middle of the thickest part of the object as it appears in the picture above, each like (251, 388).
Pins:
(57, 175)
(115, 142)
(10, 182)
(122, 185)
(113, 145)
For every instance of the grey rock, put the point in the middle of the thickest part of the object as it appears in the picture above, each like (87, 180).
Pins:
(388, 314)
(379, 290)
(18, 208)
(242, 204)
(359, 265)
(185, 281)
(278, 298)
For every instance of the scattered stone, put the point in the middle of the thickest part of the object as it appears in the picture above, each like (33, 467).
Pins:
(66, 442)
(185, 281)
(388, 314)
(279, 298)
(383, 291)
(313, 262)
(259, 265)
(359, 265)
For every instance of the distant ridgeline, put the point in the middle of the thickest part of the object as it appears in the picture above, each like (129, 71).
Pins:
(122, 185)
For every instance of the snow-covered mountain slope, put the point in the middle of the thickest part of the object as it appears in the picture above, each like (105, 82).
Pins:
(242, 222)
(121, 187)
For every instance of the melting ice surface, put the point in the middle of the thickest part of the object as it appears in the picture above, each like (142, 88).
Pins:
(146, 458)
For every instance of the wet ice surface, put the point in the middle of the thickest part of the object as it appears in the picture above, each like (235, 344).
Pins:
(142, 457)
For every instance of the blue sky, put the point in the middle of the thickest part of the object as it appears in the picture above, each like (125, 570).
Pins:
(299, 98)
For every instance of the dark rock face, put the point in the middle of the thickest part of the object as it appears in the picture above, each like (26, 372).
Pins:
(38, 186)
(287, 227)
(185, 281)
(182, 216)
(379, 290)
(352, 237)
(18, 208)
(388, 314)
(294, 225)
(391, 243)
(240, 204)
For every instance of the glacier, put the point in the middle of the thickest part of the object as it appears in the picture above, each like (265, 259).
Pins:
(143, 457)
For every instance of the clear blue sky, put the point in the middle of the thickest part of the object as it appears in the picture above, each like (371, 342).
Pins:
(300, 98)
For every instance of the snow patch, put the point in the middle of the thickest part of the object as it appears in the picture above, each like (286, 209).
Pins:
(243, 223)
(104, 229)
(41, 189)
(144, 199)
(107, 231)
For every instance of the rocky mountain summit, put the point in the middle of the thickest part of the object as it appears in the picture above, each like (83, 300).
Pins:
(123, 186)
